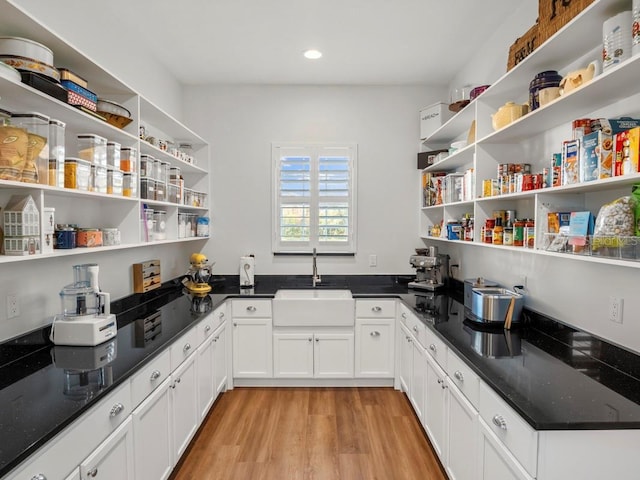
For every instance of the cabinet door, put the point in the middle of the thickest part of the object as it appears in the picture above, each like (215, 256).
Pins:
(405, 345)
(495, 462)
(184, 405)
(75, 475)
(204, 367)
(152, 435)
(220, 359)
(252, 348)
(435, 418)
(333, 355)
(293, 355)
(418, 379)
(375, 348)
(113, 458)
(462, 436)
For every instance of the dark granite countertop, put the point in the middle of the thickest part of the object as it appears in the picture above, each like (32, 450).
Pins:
(555, 377)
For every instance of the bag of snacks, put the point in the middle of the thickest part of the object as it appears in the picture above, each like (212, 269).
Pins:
(14, 145)
(615, 220)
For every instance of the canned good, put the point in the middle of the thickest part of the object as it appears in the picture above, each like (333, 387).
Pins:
(65, 238)
(509, 218)
(529, 234)
(89, 237)
(110, 237)
(518, 233)
(507, 237)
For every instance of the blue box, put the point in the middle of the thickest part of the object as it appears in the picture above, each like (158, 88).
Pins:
(74, 87)
(454, 231)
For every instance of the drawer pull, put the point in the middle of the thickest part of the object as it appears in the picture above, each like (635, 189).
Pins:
(186, 348)
(93, 472)
(375, 333)
(376, 309)
(440, 381)
(499, 421)
(415, 328)
(408, 339)
(251, 308)
(155, 375)
(235, 324)
(404, 315)
(458, 376)
(433, 348)
(317, 339)
(207, 329)
(221, 315)
(39, 477)
(310, 339)
(217, 338)
(116, 409)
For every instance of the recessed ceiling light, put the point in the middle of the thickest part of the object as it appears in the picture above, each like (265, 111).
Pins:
(313, 54)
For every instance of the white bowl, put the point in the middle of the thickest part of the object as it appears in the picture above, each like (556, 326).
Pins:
(30, 65)
(23, 47)
(107, 106)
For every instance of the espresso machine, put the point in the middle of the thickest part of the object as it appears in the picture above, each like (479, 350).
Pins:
(432, 269)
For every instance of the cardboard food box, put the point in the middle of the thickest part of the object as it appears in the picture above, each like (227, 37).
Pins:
(556, 170)
(627, 145)
(589, 157)
(570, 162)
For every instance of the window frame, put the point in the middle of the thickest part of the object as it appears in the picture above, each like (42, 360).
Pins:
(314, 151)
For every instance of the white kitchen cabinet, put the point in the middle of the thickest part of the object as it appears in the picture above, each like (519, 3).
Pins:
(333, 355)
(252, 348)
(206, 380)
(405, 346)
(375, 348)
(113, 458)
(152, 430)
(184, 405)
(418, 390)
(74, 476)
(462, 423)
(313, 354)
(495, 462)
(435, 410)
(220, 359)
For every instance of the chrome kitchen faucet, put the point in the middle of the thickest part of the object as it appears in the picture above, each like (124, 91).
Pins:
(315, 277)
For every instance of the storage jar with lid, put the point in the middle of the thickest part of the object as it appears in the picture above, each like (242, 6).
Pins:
(202, 228)
(110, 237)
(114, 181)
(160, 225)
(56, 153)
(99, 179)
(89, 237)
(77, 174)
(173, 193)
(128, 159)
(113, 154)
(146, 165)
(161, 191)
(93, 148)
(182, 224)
(147, 189)
(147, 225)
(36, 165)
(546, 79)
(174, 175)
(164, 172)
(127, 184)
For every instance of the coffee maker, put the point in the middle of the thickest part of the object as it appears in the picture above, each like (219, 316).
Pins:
(432, 269)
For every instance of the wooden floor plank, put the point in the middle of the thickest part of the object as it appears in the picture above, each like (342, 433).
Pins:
(310, 434)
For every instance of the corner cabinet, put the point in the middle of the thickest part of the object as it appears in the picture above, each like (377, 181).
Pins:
(100, 210)
(534, 137)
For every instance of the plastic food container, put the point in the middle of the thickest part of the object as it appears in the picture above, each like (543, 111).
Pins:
(128, 159)
(89, 237)
(147, 189)
(93, 148)
(114, 181)
(77, 173)
(146, 165)
(110, 237)
(36, 165)
(113, 154)
(173, 193)
(160, 225)
(56, 153)
(99, 179)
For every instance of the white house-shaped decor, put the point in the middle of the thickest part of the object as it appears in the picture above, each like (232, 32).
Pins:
(21, 226)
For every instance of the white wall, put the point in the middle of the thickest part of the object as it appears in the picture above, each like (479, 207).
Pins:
(242, 121)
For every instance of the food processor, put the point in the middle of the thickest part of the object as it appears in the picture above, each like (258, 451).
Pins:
(86, 319)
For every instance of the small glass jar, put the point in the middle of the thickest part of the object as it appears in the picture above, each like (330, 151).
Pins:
(507, 238)
(36, 167)
(160, 225)
(56, 153)
(128, 159)
(113, 154)
(110, 237)
(114, 181)
(92, 148)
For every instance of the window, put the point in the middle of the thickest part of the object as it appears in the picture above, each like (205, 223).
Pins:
(314, 197)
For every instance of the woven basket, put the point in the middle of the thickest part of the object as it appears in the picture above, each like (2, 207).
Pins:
(523, 46)
(555, 14)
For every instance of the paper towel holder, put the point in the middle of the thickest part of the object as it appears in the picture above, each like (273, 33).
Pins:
(247, 271)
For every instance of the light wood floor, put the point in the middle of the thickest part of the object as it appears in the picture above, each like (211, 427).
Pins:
(310, 433)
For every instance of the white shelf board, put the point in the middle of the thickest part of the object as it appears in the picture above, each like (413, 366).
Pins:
(18, 97)
(458, 159)
(592, 259)
(185, 167)
(64, 192)
(452, 128)
(155, 116)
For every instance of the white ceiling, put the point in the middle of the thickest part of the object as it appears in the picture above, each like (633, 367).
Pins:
(364, 42)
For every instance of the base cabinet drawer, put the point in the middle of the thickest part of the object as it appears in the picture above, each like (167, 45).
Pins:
(113, 458)
(375, 348)
(495, 462)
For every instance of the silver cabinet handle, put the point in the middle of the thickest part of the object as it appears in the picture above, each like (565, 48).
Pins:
(93, 472)
(116, 409)
(458, 375)
(217, 338)
(310, 339)
(155, 375)
(499, 421)
(375, 333)
(251, 308)
(317, 339)
(433, 348)
(235, 324)
(404, 315)
(376, 309)
(207, 329)
(415, 328)
(178, 380)
(39, 477)
(186, 348)
(221, 315)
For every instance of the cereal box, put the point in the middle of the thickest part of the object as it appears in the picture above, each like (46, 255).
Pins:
(627, 151)
(556, 170)
(589, 157)
(570, 162)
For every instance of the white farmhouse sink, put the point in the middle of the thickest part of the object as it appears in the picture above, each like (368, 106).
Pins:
(313, 308)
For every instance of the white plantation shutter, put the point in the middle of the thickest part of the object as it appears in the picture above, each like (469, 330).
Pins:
(314, 198)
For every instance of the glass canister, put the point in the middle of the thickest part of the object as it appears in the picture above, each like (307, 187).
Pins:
(36, 166)
(173, 193)
(160, 225)
(56, 153)
(113, 154)
(164, 172)
(161, 191)
(99, 179)
(155, 172)
(147, 189)
(182, 225)
(146, 165)
(147, 225)
(93, 148)
(128, 159)
(114, 181)
(188, 197)
(127, 184)
(77, 174)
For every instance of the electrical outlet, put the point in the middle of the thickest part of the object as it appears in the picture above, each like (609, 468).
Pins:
(13, 307)
(373, 260)
(523, 281)
(615, 309)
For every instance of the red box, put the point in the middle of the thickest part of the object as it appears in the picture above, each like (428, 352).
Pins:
(74, 98)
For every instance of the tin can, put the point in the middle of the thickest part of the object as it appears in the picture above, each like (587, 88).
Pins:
(110, 237)
(581, 127)
(89, 237)
(527, 182)
(65, 238)
(507, 237)
(529, 234)
(509, 218)
(518, 233)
